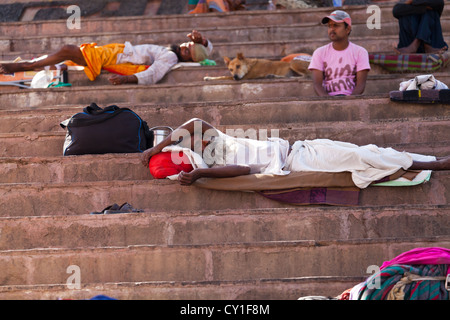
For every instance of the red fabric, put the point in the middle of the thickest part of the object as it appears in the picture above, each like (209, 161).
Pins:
(162, 164)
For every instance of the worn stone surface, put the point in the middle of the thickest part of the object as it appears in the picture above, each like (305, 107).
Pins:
(193, 243)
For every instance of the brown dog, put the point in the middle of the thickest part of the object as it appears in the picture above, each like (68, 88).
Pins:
(242, 68)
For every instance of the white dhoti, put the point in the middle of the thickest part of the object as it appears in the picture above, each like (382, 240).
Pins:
(367, 163)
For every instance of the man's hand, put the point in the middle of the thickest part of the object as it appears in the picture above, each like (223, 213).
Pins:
(197, 37)
(188, 178)
(146, 155)
(118, 79)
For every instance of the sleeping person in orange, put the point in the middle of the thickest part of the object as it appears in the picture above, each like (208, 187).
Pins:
(139, 64)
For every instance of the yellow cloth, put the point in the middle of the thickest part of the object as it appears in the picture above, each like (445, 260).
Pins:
(98, 57)
(126, 69)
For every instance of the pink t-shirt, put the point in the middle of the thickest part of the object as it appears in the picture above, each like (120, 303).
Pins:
(340, 67)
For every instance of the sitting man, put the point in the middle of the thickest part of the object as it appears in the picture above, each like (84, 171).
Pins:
(142, 64)
(339, 68)
(420, 26)
(227, 156)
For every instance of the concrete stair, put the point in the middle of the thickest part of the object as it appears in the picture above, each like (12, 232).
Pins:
(219, 20)
(167, 93)
(281, 33)
(191, 243)
(225, 35)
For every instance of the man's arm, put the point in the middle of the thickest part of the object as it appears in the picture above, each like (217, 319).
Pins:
(185, 131)
(164, 61)
(120, 79)
(317, 76)
(187, 178)
(361, 78)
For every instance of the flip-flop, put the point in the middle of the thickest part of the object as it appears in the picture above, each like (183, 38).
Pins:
(115, 208)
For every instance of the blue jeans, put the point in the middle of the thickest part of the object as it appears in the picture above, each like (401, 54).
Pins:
(425, 27)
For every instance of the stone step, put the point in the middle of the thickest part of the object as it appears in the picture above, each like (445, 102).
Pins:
(188, 22)
(259, 49)
(397, 134)
(189, 74)
(259, 289)
(230, 34)
(194, 91)
(85, 168)
(428, 137)
(75, 198)
(365, 109)
(223, 226)
(221, 262)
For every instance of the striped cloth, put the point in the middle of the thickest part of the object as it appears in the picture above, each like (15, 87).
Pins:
(417, 274)
(204, 6)
(407, 282)
(410, 62)
(315, 196)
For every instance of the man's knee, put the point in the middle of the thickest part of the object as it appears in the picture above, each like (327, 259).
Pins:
(69, 49)
(71, 52)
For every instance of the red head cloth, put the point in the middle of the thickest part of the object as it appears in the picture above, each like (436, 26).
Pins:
(163, 164)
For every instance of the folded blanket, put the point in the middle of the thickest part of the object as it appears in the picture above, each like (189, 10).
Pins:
(421, 96)
(410, 62)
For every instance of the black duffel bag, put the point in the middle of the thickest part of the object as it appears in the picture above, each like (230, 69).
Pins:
(106, 130)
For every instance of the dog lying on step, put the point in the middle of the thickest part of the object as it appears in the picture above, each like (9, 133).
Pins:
(242, 68)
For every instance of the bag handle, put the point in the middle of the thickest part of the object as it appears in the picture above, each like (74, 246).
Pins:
(95, 109)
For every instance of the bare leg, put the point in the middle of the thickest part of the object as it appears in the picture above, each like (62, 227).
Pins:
(412, 48)
(439, 164)
(67, 52)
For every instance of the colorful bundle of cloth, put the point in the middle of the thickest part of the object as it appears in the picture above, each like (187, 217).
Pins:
(418, 274)
(410, 62)
(204, 6)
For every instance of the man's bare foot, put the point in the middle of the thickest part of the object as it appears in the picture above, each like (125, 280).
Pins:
(444, 163)
(412, 48)
(430, 49)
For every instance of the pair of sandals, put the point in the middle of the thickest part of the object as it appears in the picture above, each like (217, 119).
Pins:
(115, 208)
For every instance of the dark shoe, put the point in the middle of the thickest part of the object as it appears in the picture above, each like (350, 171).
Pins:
(113, 209)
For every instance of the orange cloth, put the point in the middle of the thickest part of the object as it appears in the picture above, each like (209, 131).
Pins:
(291, 57)
(98, 57)
(126, 69)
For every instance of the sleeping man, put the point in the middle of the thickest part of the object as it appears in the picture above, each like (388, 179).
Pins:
(131, 64)
(226, 156)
